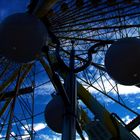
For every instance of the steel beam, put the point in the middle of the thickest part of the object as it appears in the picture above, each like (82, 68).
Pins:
(11, 94)
(133, 124)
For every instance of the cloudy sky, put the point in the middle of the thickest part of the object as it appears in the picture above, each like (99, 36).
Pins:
(130, 95)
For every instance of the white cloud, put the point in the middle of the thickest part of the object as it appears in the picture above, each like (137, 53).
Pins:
(13, 133)
(128, 89)
(84, 134)
(123, 90)
(45, 89)
(49, 137)
(138, 97)
(56, 137)
(43, 137)
(138, 107)
(137, 131)
(26, 127)
(127, 119)
(25, 137)
(103, 99)
(106, 84)
(39, 126)
(86, 138)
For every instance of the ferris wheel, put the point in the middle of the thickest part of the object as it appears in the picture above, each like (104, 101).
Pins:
(73, 56)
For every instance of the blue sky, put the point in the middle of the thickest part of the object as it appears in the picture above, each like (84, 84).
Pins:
(12, 6)
(131, 95)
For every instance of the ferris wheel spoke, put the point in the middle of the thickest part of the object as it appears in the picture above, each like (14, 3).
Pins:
(101, 20)
(9, 98)
(96, 15)
(116, 101)
(83, 39)
(100, 28)
(5, 70)
(89, 11)
(18, 129)
(61, 15)
(13, 106)
(75, 13)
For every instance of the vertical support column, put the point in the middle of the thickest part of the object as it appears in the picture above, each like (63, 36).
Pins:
(69, 127)
(33, 104)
